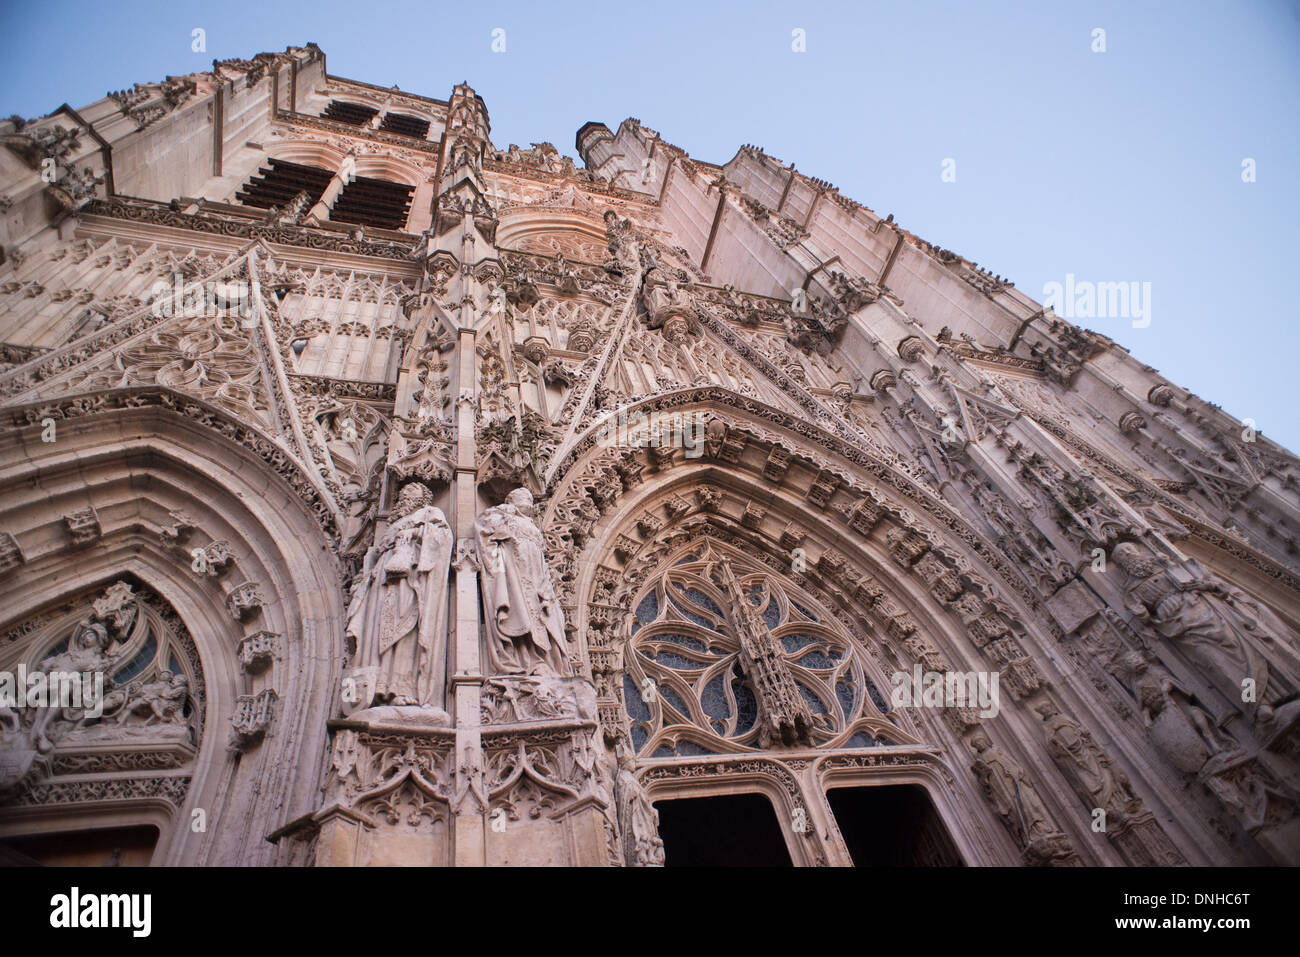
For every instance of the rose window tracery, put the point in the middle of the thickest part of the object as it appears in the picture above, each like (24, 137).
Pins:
(725, 656)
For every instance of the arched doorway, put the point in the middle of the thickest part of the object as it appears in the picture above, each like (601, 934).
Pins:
(737, 684)
(165, 498)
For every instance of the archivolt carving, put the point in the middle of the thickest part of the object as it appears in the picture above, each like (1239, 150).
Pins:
(674, 721)
(281, 461)
(813, 444)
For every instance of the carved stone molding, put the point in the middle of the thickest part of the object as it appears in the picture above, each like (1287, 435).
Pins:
(245, 601)
(252, 720)
(11, 554)
(82, 526)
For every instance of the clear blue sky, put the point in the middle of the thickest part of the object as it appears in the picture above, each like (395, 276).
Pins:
(1115, 166)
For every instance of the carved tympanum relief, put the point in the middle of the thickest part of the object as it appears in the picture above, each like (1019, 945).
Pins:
(138, 701)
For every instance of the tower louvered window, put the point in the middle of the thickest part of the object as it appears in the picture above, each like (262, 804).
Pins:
(354, 114)
(279, 182)
(373, 202)
(405, 125)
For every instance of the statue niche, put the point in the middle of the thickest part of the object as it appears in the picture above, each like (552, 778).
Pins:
(525, 624)
(397, 618)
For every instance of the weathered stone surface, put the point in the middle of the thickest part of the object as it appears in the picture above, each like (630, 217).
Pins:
(516, 485)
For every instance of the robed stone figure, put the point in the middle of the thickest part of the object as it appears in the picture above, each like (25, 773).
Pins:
(397, 618)
(1227, 634)
(525, 624)
(1013, 796)
(638, 821)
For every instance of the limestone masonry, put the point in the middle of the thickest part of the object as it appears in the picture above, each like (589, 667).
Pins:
(423, 501)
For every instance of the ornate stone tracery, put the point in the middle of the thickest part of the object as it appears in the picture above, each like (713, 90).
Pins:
(478, 542)
(694, 683)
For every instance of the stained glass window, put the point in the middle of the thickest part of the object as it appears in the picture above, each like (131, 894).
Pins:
(685, 684)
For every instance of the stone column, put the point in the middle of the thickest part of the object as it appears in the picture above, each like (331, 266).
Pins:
(321, 211)
(467, 681)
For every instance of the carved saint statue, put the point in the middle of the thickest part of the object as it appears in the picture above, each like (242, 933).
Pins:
(625, 253)
(1013, 796)
(667, 305)
(87, 652)
(1184, 732)
(1080, 756)
(525, 623)
(638, 821)
(1229, 636)
(398, 614)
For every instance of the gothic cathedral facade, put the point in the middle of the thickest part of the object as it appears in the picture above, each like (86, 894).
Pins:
(420, 501)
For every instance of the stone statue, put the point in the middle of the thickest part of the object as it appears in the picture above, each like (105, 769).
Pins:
(1183, 732)
(525, 623)
(1013, 796)
(398, 614)
(638, 821)
(625, 253)
(87, 653)
(667, 305)
(1186, 735)
(1081, 757)
(151, 708)
(567, 280)
(1229, 636)
(159, 701)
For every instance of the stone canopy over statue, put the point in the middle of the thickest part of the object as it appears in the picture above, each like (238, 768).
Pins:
(525, 624)
(397, 618)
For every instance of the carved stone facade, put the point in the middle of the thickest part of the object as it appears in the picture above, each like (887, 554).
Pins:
(594, 486)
